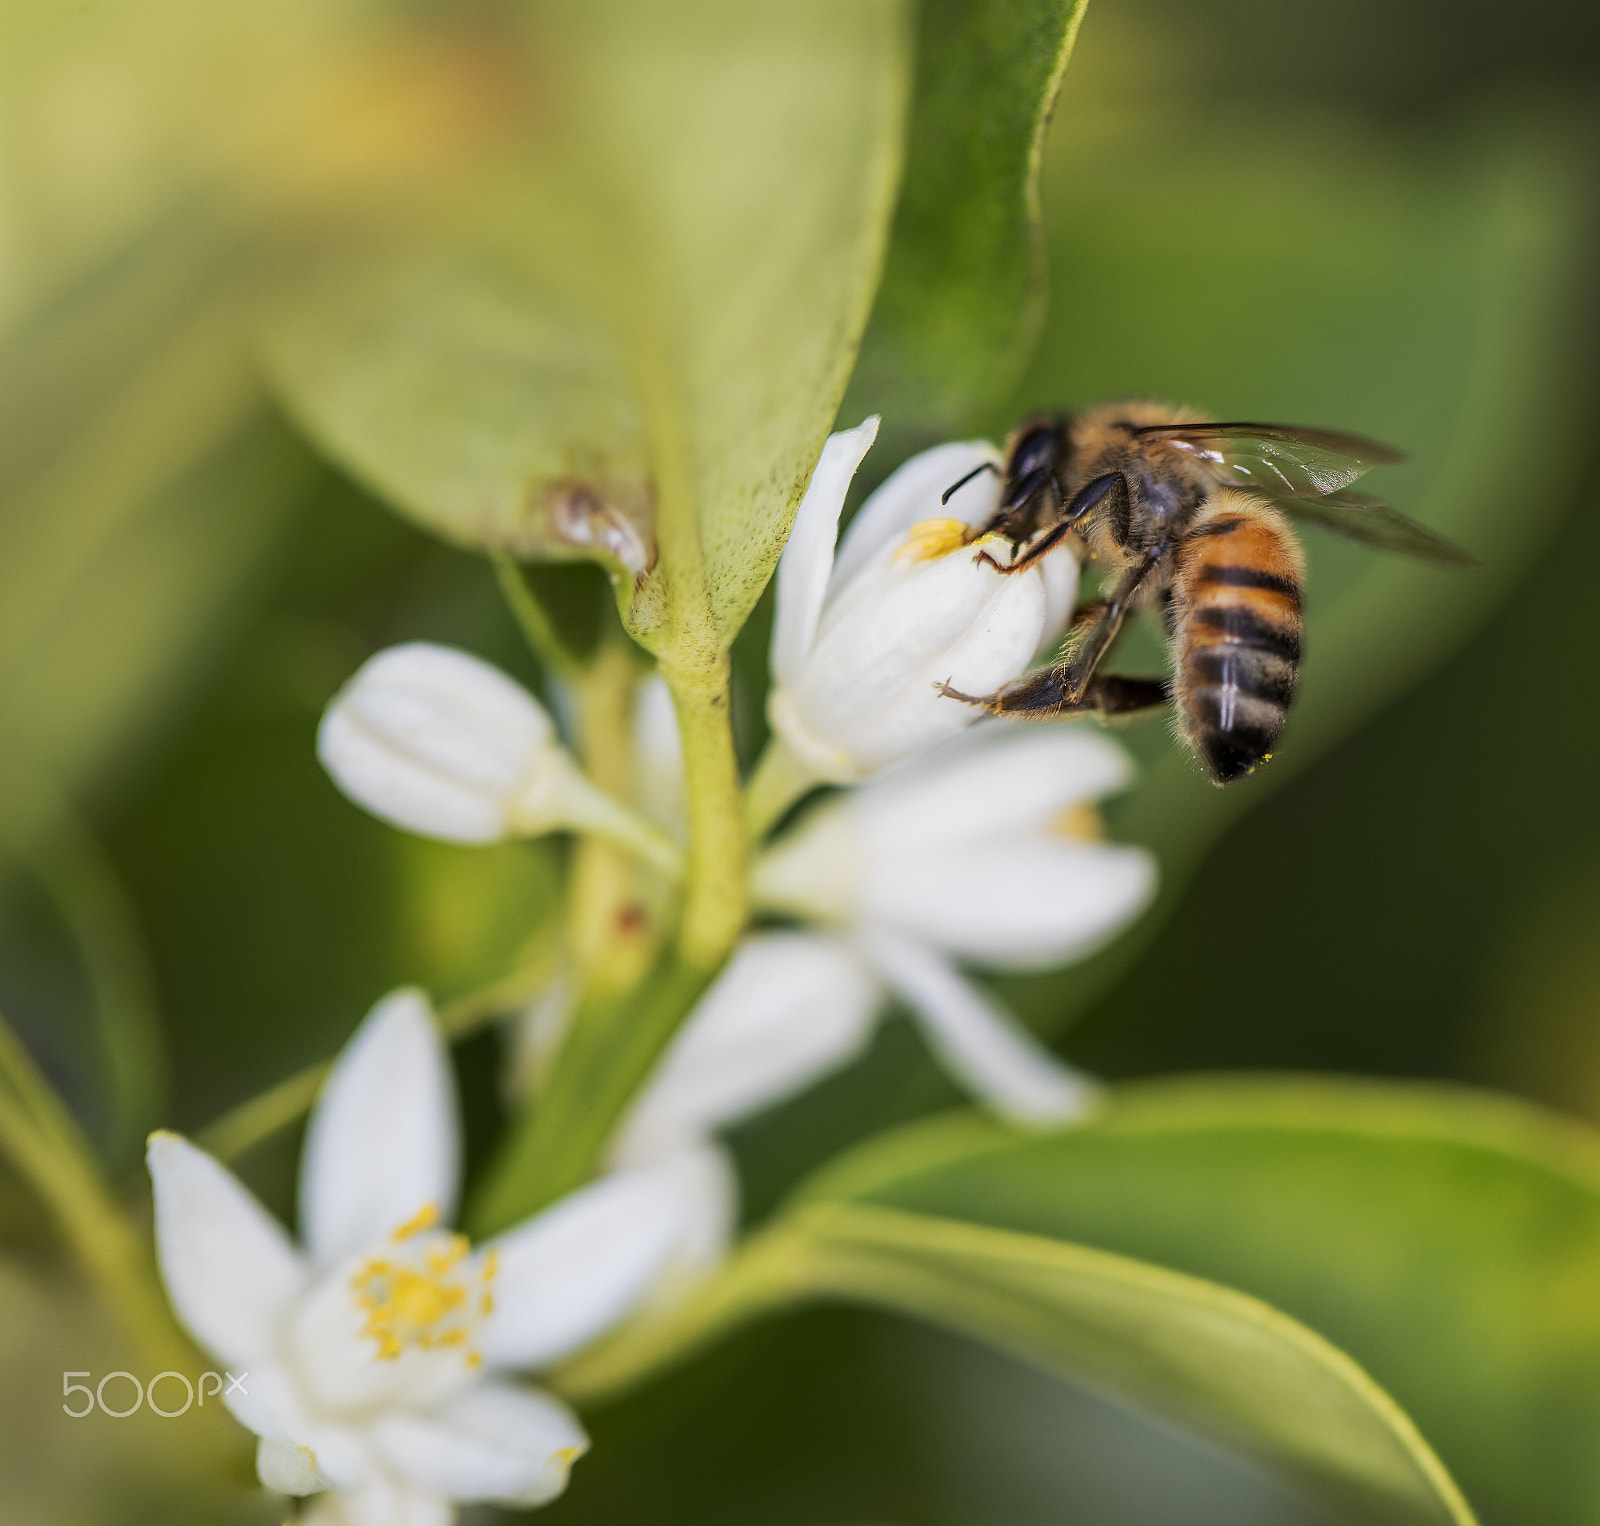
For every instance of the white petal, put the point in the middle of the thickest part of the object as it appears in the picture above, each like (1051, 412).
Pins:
(816, 870)
(868, 687)
(807, 558)
(434, 740)
(996, 781)
(708, 1189)
(535, 1034)
(383, 1140)
(229, 1268)
(380, 1502)
(1015, 903)
(493, 1442)
(979, 1043)
(577, 1268)
(1059, 568)
(390, 786)
(660, 756)
(790, 1007)
(912, 494)
(263, 1398)
(288, 1468)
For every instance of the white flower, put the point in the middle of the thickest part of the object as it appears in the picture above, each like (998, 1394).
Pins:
(373, 1355)
(861, 638)
(976, 852)
(442, 743)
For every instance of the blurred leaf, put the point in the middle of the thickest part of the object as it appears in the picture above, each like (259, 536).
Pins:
(642, 315)
(116, 1060)
(1449, 1241)
(1193, 1352)
(962, 296)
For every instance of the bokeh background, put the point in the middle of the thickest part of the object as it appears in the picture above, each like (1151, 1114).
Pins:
(1377, 217)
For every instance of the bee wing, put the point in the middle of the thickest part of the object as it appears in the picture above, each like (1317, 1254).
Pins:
(1372, 522)
(1306, 472)
(1284, 457)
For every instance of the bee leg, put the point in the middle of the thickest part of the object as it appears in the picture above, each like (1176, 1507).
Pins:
(1079, 668)
(1041, 696)
(1084, 502)
(1113, 695)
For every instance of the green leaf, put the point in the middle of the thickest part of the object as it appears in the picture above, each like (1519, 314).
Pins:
(1450, 1242)
(627, 337)
(1204, 1356)
(963, 292)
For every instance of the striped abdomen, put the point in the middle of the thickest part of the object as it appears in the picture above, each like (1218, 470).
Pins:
(1236, 632)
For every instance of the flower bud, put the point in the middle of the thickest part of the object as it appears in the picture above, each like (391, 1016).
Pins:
(441, 743)
(862, 639)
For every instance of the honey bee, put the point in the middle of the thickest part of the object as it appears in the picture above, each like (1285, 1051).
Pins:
(1188, 517)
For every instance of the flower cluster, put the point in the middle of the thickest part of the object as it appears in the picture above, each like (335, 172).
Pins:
(378, 1352)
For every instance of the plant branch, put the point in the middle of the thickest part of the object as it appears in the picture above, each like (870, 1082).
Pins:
(537, 628)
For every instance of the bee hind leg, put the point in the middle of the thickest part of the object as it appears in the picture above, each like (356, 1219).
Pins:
(1042, 696)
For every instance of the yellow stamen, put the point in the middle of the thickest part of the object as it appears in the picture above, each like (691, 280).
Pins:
(425, 1218)
(930, 539)
(1081, 822)
(425, 1306)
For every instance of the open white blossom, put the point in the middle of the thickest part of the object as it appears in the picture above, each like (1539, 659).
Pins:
(373, 1357)
(862, 636)
(984, 852)
(441, 743)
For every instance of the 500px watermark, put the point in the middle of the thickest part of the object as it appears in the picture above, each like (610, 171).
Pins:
(145, 1393)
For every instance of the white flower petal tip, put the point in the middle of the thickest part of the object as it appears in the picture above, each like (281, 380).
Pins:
(856, 667)
(229, 1268)
(981, 1044)
(383, 1142)
(569, 1274)
(807, 560)
(515, 1446)
(441, 743)
(288, 1468)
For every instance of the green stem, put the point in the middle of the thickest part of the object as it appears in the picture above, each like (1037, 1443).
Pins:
(779, 780)
(537, 627)
(49, 1152)
(593, 812)
(716, 892)
(610, 1049)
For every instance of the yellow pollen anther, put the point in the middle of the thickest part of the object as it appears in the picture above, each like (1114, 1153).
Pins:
(930, 539)
(423, 1219)
(1081, 822)
(421, 1302)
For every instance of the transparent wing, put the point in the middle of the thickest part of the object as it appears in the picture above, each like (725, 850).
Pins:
(1372, 522)
(1281, 456)
(1306, 472)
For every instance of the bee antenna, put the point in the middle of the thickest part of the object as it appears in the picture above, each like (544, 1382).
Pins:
(955, 487)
